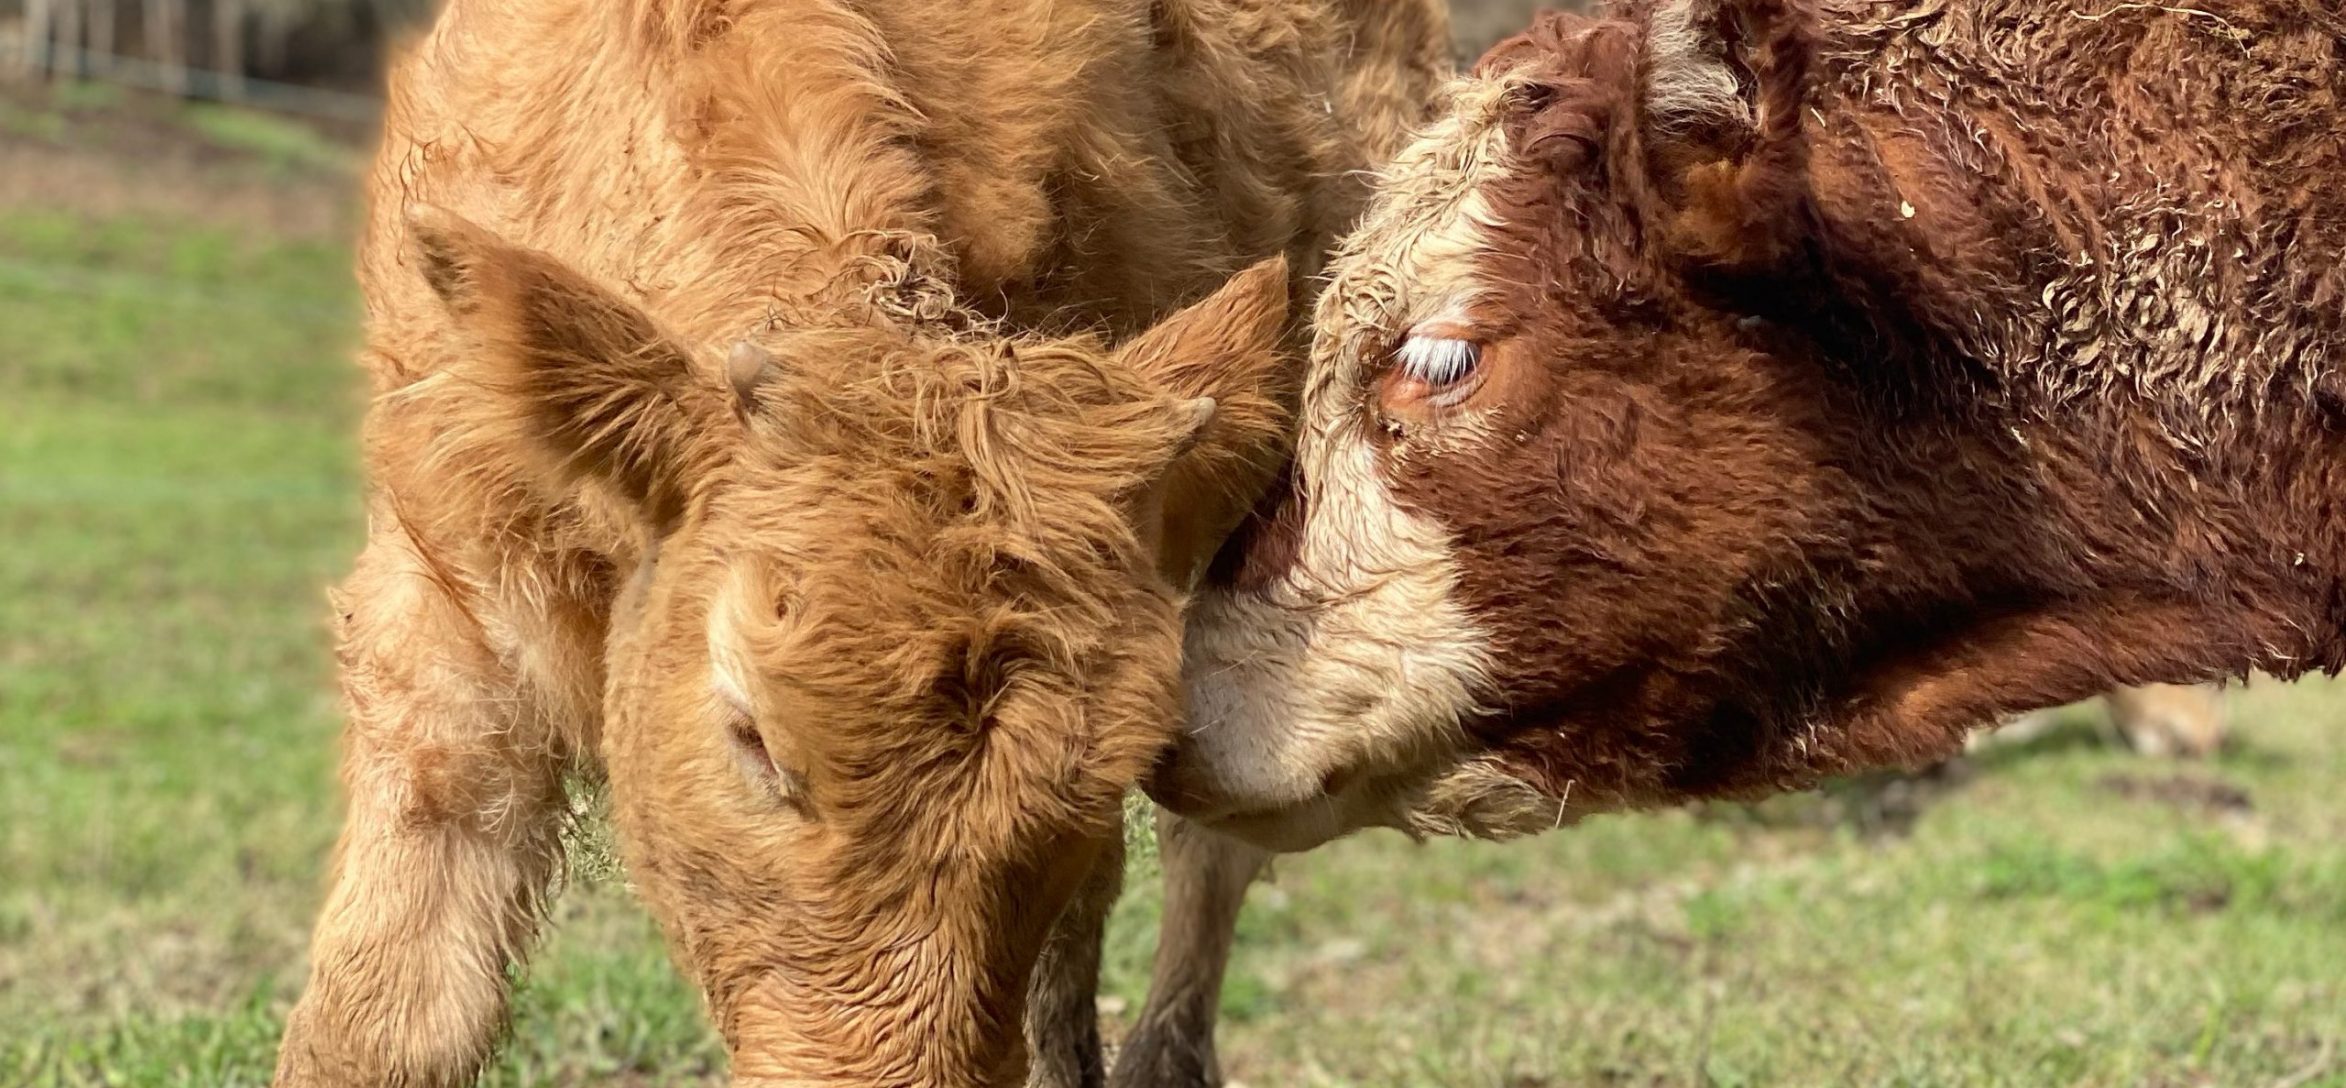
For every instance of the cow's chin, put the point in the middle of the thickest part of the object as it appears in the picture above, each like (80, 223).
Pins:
(1286, 831)
(1477, 798)
(1294, 828)
(1250, 799)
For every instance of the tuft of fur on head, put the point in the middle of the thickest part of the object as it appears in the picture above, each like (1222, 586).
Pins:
(1726, 87)
(1688, 83)
(964, 559)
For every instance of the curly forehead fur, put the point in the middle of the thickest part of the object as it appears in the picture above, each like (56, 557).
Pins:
(1011, 427)
(950, 509)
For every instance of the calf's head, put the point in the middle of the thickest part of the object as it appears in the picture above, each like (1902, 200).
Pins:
(1639, 461)
(905, 630)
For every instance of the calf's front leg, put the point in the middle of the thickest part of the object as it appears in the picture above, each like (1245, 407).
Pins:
(1062, 1008)
(452, 833)
(2170, 720)
(1206, 876)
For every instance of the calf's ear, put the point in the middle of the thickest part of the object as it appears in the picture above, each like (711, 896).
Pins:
(1723, 101)
(576, 378)
(1223, 357)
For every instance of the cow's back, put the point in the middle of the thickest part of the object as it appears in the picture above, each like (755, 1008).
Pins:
(1082, 164)
(2154, 197)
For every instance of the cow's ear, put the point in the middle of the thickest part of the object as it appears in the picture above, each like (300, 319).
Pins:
(1724, 97)
(1223, 357)
(578, 380)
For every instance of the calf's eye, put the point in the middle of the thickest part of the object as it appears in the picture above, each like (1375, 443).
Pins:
(1437, 361)
(749, 748)
(776, 778)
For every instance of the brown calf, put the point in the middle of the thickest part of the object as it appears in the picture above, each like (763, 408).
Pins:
(1725, 394)
(745, 430)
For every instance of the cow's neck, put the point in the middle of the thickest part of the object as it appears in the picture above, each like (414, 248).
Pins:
(1025, 170)
(785, 158)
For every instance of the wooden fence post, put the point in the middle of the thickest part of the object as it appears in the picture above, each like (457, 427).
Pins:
(104, 46)
(228, 47)
(37, 16)
(69, 62)
(166, 21)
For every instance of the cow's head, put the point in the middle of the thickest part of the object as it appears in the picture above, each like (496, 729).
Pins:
(906, 629)
(1641, 454)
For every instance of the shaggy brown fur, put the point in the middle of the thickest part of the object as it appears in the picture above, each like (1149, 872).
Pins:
(1972, 363)
(1850, 374)
(746, 428)
(1845, 375)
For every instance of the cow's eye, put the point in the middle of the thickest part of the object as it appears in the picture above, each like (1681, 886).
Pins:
(1438, 361)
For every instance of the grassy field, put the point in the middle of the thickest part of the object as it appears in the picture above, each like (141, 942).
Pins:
(177, 486)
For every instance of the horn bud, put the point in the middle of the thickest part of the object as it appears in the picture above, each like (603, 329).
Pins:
(747, 367)
(1200, 412)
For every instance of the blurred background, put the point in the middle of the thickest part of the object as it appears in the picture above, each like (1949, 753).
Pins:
(178, 485)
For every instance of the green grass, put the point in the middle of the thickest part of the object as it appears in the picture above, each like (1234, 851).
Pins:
(269, 144)
(177, 486)
(281, 145)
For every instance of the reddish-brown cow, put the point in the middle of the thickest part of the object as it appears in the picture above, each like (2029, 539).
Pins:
(1725, 394)
(1729, 394)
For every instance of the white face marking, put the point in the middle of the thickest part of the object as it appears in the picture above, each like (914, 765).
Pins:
(1357, 661)
(1353, 669)
(733, 709)
(728, 662)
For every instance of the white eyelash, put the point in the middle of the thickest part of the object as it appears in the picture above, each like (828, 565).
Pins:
(1437, 360)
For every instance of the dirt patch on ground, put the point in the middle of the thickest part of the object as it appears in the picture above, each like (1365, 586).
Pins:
(2185, 791)
(112, 154)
